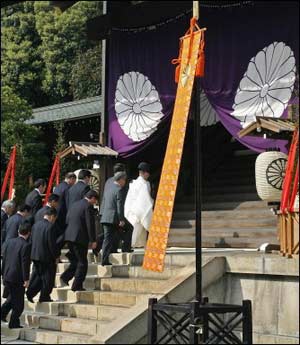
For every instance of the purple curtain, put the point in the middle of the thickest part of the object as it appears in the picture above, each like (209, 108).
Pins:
(251, 59)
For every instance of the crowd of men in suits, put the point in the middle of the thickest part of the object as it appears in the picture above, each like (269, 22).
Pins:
(36, 234)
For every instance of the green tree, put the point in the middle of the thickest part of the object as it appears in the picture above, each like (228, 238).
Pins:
(31, 157)
(63, 38)
(86, 74)
(22, 66)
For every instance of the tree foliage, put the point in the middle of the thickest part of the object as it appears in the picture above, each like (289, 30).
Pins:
(31, 158)
(22, 66)
(86, 74)
(63, 38)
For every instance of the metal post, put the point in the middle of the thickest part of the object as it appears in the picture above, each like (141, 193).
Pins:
(152, 322)
(102, 136)
(194, 321)
(247, 322)
(198, 181)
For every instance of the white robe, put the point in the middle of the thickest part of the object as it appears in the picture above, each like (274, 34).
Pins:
(138, 210)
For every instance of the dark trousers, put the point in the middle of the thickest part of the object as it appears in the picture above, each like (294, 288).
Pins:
(14, 302)
(42, 280)
(121, 235)
(78, 265)
(110, 236)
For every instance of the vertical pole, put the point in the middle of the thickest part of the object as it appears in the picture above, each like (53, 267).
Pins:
(152, 322)
(198, 178)
(102, 136)
(247, 322)
(194, 320)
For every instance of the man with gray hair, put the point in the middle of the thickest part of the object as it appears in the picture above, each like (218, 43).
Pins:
(112, 214)
(7, 209)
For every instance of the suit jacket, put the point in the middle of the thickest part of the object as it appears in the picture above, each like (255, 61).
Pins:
(62, 191)
(4, 218)
(16, 261)
(34, 200)
(12, 226)
(113, 205)
(40, 213)
(76, 193)
(43, 241)
(81, 223)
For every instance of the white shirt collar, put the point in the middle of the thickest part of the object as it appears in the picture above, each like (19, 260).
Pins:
(38, 191)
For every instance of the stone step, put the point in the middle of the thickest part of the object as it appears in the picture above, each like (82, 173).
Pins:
(189, 242)
(69, 324)
(208, 224)
(230, 197)
(93, 312)
(124, 271)
(93, 297)
(229, 214)
(53, 337)
(229, 181)
(69, 309)
(120, 299)
(228, 205)
(131, 285)
(215, 234)
(229, 189)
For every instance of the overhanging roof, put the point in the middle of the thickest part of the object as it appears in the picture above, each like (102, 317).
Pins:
(273, 127)
(69, 111)
(88, 149)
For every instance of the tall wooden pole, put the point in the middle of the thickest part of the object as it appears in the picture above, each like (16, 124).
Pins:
(198, 178)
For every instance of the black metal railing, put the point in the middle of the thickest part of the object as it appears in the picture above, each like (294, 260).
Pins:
(199, 323)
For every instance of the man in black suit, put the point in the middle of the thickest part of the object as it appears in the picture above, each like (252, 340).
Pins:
(15, 274)
(79, 233)
(7, 209)
(12, 224)
(112, 214)
(34, 198)
(62, 190)
(79, 189)
(53, 201)
(44, 254)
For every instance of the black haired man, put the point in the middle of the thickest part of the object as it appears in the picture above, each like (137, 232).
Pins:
(15, 274)
(44, 254)
(11, 226)
(34, 198)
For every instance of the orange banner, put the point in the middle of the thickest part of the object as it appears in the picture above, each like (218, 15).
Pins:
(155, 250)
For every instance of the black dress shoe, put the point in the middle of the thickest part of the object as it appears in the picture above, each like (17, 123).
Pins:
(78, 289)
(64, 282)
(3, 319)
(46, 300)
(106, 264)
(14, 326)
(30, 299)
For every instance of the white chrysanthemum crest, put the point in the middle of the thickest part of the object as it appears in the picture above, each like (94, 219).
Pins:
(267, 85)
(137, 105)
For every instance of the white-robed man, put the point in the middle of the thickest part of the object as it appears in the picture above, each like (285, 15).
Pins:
(139, 206)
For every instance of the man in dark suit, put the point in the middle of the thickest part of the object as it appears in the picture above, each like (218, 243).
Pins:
(61, 190)
(53, 201)
(112, 214)
(12, 224)
(34, 198)
(15, 274)
(79, 189)
(117, 168)
(7, 209)
(44, 254)
(79, 233)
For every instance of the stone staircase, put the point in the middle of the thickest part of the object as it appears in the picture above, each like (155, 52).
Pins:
(233, 215)
(114, 307)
